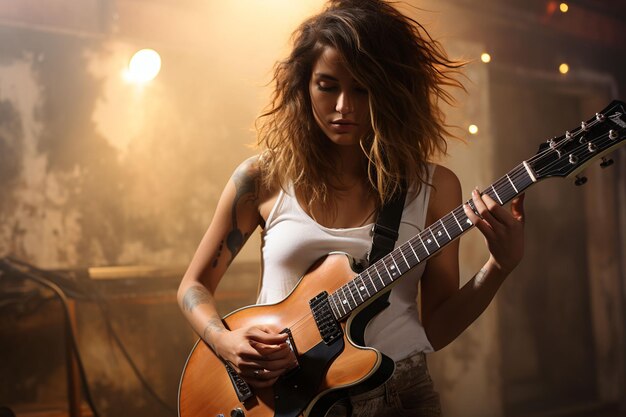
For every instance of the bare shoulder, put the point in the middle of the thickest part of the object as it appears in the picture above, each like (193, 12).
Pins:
(247, 175)
(248, 181)
(445, 194)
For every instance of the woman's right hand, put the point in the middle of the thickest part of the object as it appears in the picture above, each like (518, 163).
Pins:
(259, 354)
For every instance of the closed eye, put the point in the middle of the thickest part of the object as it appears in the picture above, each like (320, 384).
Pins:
(323, 86)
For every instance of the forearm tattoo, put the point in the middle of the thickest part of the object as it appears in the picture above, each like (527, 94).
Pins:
(246, 181)
(213, 326)
(195, 296)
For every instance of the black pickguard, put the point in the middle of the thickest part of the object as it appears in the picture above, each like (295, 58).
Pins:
(380, 376)
(294, 392)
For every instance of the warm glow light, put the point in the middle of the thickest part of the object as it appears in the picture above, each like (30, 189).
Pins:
(564, 7)
(485, 57)
(143, 67)
(473, 129)
(563, 68)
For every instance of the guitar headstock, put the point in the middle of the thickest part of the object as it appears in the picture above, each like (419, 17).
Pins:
(568, 154)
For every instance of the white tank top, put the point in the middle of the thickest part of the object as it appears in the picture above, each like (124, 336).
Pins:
(293, 241)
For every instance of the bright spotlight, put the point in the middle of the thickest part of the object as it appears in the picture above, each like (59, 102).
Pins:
(143, 67)
(485, 57)
(473, 129)
(563, 7)
(564, 68)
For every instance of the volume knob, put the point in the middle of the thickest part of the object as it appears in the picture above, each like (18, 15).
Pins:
(237, 412)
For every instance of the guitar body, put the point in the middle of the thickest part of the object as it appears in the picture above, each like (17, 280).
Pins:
(326, 370)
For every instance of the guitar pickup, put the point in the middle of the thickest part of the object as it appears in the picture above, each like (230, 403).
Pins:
(328, 326)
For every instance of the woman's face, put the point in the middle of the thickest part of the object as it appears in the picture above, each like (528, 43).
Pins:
(340, 105)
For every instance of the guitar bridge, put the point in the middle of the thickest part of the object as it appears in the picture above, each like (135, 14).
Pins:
(241, 387)
(328, 326)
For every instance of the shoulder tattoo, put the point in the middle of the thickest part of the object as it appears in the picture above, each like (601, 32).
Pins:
(246, 179)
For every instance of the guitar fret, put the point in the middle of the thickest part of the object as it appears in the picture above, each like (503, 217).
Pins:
(364, 286)
(415, 253)
(445, 229)
(405, 261)
(344, 300)
(348, 292)
(496, 193)
(505, 190)
(423, 244)
(395, 268)
(433, 235)
(352, 293)
(512, 184)
(371, 279)
(467, 220)
(379, 276)
(429, 241)
(387, 270)
(457, 220)
(340, 304)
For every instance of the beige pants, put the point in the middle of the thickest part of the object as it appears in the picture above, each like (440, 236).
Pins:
(408, 393)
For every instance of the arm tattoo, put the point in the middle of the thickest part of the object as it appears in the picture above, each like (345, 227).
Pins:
(218, 254)
(246, 181)
(195, 296)
(213, 326)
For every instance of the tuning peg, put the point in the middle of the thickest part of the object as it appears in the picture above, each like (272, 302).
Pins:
(580, 180)
(606, 162)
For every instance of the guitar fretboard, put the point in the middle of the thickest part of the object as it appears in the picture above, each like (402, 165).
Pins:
(425, 244)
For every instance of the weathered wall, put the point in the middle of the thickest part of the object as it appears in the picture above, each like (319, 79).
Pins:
(97, 172)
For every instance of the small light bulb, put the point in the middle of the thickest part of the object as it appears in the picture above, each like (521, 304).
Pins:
(485, 57)
(473, 129)
(564, 7)
(563, 68)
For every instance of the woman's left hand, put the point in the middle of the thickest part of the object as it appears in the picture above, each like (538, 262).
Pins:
(503, 230)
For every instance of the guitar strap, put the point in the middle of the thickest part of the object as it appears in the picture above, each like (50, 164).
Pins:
(385, 231)
(384, 237)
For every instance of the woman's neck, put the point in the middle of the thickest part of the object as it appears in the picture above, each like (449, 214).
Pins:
(350, 165)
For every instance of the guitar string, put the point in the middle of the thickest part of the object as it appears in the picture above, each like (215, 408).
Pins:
(394, 256)
(516, 175)
(394, 260)
(402, 254)
(574, 135)
(580, 152)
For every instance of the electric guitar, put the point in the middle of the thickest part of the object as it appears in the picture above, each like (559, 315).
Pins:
(325, 315)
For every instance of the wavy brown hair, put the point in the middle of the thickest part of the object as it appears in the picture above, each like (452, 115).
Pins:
(405, 72)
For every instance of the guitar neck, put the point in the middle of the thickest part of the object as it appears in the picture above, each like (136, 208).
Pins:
(380, 275)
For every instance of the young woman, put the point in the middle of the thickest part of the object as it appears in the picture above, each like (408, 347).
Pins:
(354, 116)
